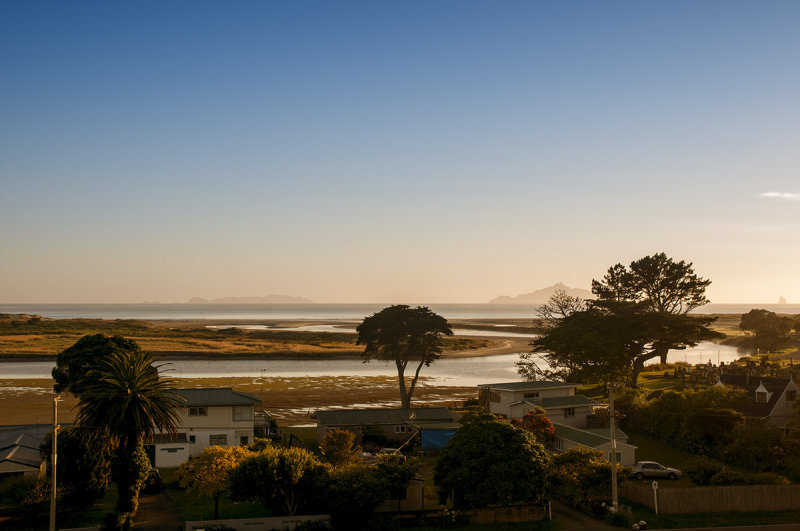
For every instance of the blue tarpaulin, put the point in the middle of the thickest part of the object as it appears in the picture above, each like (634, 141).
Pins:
(435, 439)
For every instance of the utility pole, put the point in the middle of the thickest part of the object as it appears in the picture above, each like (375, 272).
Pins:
(613, 456)
(53, 460)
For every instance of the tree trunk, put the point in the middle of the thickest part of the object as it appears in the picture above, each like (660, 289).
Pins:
(405, 398)
(216, 505)
(662, 353)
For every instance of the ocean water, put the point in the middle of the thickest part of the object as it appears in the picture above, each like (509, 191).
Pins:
(310, 311)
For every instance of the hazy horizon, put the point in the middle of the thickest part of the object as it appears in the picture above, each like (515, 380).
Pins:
(365, 152)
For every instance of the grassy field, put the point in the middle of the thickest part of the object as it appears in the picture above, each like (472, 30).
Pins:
(47, 337)
(289, 400)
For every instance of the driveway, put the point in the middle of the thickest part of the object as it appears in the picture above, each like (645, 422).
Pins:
(157, 512)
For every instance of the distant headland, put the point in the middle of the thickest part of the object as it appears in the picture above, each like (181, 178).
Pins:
(542, 295)
(269, 299)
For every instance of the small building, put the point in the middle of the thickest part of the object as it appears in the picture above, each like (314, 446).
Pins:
(770, 399)
(210, 417)
(19, 450)
(395, 424)
(567, 437)
(516, 399)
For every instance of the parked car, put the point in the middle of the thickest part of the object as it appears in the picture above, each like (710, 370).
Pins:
(392, 451)
(153, 482)
(651, 469)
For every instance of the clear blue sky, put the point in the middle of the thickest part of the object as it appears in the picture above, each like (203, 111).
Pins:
(394, 151)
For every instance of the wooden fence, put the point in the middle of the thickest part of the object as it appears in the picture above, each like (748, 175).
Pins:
(685, 500)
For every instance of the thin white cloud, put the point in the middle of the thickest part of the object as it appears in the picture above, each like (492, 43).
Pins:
(791, 196)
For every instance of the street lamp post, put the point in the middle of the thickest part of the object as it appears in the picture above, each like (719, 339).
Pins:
(53, 460)
(613, 456)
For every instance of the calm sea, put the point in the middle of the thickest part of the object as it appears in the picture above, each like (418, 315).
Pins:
(310, 311)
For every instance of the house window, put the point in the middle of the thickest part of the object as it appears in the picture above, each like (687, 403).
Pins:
(218, 440)
(198, 411)
(400, 429)
(243, 440)
(569, 412)
(494, 396)
(242, 413)
(559, 444)
(761, 396)
(619, 457)
(791, 396)
(171, 450)
(192, 439)
(531, 395)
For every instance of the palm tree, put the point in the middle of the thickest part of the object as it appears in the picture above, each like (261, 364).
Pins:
(128, 401)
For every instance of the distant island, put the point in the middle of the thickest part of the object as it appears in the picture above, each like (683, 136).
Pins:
(542, 295)
(269, 299)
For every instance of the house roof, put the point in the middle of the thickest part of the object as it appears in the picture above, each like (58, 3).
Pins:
(216, 396)
(775, 386)
(525, 386)
(24, 439)
(357, 417)
(21, 455)
(20, 443)
(588, 438)
(553, 402)
(434, 425)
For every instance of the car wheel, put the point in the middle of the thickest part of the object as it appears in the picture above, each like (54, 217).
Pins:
(672, 475)
(639, 475)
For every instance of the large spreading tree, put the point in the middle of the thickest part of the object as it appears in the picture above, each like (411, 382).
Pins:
(667, 291)
(640, 313)
(407, 336)
(770, 331)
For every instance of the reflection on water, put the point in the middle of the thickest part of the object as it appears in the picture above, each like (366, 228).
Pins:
(445, 372)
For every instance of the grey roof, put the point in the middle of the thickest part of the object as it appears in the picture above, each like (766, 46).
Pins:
(20, 439)
(591, 438)
(525, 386)
(216, 396)
(558, 401)
(20, 443)
(434, 424)
(21, 455)
(358, 417)
(775, 386)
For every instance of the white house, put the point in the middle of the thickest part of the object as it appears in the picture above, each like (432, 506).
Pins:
(558, 399)
(212, 416)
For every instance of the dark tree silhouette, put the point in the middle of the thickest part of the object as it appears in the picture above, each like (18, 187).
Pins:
(640, 313)
(661, 286)
(406, 336)
(126, 401)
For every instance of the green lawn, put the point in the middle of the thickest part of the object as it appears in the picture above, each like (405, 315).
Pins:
(199, 508)
(92, 517)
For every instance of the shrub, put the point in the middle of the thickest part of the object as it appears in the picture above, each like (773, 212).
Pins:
(622, 517)
(700, 470)
(339, 447)
(490, 462)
